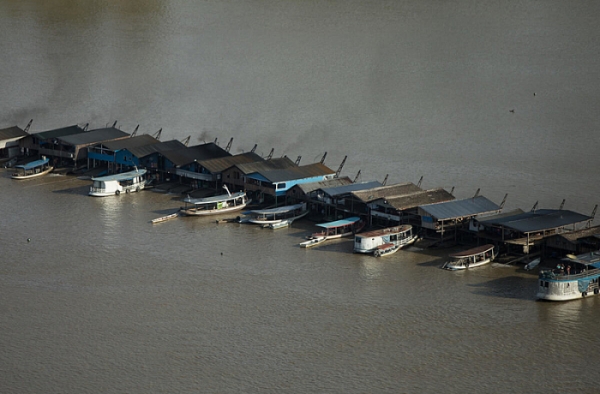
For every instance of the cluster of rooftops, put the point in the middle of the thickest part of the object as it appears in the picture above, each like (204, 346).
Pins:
(436, 212)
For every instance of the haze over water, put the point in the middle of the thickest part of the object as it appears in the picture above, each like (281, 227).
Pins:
(100, 300)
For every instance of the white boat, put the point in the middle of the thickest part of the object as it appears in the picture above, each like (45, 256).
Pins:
(312, 242)
(574, 277)
(165, 218)
(215, 205)
(386, 249)
(282, 224)
(125, 182)
(33, 169)
(471, 258)
(287, 213)
(532, 264)
(368, 242)
(337, 229)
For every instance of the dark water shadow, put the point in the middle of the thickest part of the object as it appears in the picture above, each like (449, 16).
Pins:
(513, 287)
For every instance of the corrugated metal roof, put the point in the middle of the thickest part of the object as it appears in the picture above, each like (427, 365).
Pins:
(131, 143)
(187, 155)
(12, 132)
(376, 193)
(265, 165)
(460, 208)
(335, 182)
(339, 190)
(223, 163)
(146, 150)
(541, 219)
(57, 133)
(416, 199)
(94, 136)
(298, 172)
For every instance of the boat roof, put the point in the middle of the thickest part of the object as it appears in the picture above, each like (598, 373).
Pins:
(591, 258)
(206, 200)
(541, 219)
(121, 176)
(283, 209)
(471, 252)
(384, 231)
(340, 223)
(33, 164)
(460, 208)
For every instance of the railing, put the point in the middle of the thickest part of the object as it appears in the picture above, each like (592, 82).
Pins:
(560, 274)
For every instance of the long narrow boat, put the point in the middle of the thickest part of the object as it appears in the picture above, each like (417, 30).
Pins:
(370, 241)
(125, 182)
(337, 229)
(574, 277)
(215, 205)
(32, 169)
(165, 218)
(287, 214)
(312, 242)
(471, 258)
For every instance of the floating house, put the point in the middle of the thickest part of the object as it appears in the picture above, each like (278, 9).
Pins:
(9, 142)
(118, 154)
(337, 201)
(212, 170)
(528, 230)
(447, 218)
(575, 242)
(49, 143)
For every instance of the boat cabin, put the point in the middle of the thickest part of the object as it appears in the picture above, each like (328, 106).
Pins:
(126, 182)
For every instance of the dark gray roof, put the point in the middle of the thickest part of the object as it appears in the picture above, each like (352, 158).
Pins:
(146, 150)
(94, 136)
(131, 143)
(298, 172)
(263, 166)
(339, 190)
(187, 155)
(415, 199)
(335, 182)
(541, 219)
(11, 133)
(223, 163)
(579, 234)
(376, 193)
(460, 208)
(56, 133)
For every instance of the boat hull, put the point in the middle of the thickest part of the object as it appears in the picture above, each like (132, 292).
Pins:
(209, 212)
(386, 250)
(312, 242)
(456, 267)
(30, 176)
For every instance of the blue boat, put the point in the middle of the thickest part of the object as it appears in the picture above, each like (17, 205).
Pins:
(32, 169)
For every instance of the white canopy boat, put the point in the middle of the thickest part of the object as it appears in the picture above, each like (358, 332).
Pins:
(471, 258)
(285, 214)
(312, 242)
(215, 205)
(337, 229)
(131, 181)
(32, 169)
(370, 241)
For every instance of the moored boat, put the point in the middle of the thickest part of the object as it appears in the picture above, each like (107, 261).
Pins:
(125, 182)
(165, 218)
(32, 169)
(471, 258)
(386, 249)
(337, 229)
(312, 242)
(287, 214)
(215, 205)
(574, 277)
(369, 242)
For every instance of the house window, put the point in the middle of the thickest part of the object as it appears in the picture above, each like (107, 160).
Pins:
(281, 186)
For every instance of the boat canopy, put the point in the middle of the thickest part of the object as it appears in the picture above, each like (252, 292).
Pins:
(471, 252)
(33, 164)
(340, 223)
(208, 200)
(120, 177)
(284, 209)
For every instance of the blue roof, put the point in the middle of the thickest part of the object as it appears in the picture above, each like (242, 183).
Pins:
(460, 208)
(339, 223)
(33, 164)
